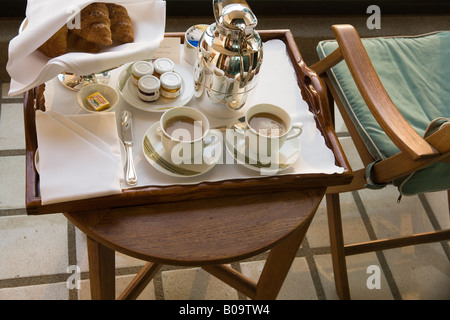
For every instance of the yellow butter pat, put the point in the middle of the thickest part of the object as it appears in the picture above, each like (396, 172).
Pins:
(97, 101)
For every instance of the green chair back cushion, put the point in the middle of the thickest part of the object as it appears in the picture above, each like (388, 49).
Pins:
(415, 72)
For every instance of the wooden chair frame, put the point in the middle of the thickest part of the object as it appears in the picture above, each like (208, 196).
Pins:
(416, 152)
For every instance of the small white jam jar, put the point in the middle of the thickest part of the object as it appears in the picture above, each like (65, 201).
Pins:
(162, 65)
(140, 69)
(170, 85)
(148, 89)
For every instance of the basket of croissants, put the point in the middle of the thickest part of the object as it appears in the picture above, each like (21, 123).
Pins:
(101, 24)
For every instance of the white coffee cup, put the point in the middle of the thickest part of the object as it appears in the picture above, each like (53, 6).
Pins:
(187, 146)
(260, 141)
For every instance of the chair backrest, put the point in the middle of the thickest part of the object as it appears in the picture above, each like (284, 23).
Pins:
(415, 72)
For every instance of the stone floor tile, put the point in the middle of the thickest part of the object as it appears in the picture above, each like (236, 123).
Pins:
(33, 246)
(339, 124)
(439, 204)
(12, 132)
(358, 277)
(353, 226)
(12, 182)
(421, 272)
(52, 291)
(298, 284)
(390, 218)
(84, 293)
(195, 284)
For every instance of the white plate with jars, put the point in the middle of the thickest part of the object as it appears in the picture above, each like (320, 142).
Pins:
(129, 91)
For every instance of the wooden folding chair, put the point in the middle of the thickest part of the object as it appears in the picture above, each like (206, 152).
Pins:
(394, 96)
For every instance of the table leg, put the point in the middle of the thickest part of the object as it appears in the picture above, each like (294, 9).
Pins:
(278, 264)
(274, 272)
(142, 279)
(101, 271)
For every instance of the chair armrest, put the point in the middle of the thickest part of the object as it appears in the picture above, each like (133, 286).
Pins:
(399, 164)
(374, 94)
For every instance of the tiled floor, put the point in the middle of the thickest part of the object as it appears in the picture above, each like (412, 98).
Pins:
(40, 256)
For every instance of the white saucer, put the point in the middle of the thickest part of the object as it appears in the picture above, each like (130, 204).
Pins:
(130, 92)
(161, 160)
(288, 155)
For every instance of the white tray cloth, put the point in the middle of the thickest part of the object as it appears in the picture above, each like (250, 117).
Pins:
(29, 68)
(277, 84)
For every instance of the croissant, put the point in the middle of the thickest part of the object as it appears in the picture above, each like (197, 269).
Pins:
(95, 24)
(121, 25)
(78, 43)
(57, 44)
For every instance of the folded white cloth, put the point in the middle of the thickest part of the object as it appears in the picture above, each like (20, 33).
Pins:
(79, 156)
(28, 67)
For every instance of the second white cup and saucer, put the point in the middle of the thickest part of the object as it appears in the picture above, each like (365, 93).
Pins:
(182, 144)
(267, 140)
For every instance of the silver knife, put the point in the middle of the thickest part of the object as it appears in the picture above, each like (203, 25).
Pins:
(127, 135)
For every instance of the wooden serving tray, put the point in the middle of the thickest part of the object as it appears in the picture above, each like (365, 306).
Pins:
(313, 92)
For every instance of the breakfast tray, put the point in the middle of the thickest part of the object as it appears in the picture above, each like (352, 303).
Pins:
(313, 92)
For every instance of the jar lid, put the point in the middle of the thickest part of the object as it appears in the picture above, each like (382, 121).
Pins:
(149, 83)
(170, 80)
(162, 65)
(142, 68)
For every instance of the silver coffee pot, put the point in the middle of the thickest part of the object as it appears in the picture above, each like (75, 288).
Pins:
(229, 57)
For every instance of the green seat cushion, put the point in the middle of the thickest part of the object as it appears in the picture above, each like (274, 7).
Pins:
(415, 72)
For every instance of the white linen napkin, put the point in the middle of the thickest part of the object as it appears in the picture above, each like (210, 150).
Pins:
(79, 156)
(28, 67)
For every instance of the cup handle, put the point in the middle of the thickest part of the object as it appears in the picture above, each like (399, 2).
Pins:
(214, 137)
(158, 132)
(297, 129)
